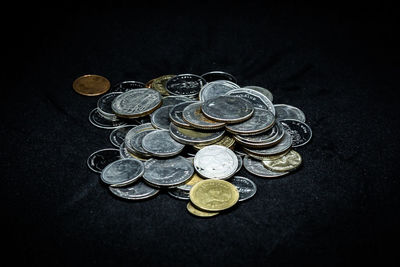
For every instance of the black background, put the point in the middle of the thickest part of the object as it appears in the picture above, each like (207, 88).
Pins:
(338, 63)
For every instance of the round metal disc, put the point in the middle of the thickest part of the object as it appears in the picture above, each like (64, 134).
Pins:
(174, 100)
(261, 121)
(218, 75)
(179, 194)
(129, 137)
(104, 105)
(159, 143)
(246, 187)
(98, 160)
(122, 172)
(185, 84)
(256, 98)
(301, 133)
(262, 140)
(175, 114)
(288, 162)
(257, 168)
(283, 145)
(160, 118)
(192, 114)
(216, 88)
(159, 83)
(284, 111)
(127, 85)
(91, 85)
(136, 191)
(117, 136)
(262, 90)
(126, 154)
(193, 137)
(99, 121)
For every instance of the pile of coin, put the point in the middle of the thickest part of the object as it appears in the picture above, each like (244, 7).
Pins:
(189, 135)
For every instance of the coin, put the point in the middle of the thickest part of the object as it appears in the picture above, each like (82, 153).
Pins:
(168, 172)
(240, 163)
(117, 136)
(288, 162)
(191, 182)
(261, 121)
(99, 121)
(216, 88)
(246, 187)
(229, 109)
(262, 90)
(129, 137)
(125, 154)
(193, 137)
(256, 98)
(136, 103)
(159, 83)
(256, 167)
(284, 111)
(136, 143)
(262, 140)
(200, 213)
(271, 157)
(185, 84)
(218, 75)
(136, 191)
(122, 172)
(192, 114)
(283, 145)
(148, 84)
(301, 133)
(159, 143)
(175, 114)
(174, 100)
(226, 141)
(160, 118)
(127, 85)
(215, 162)
(98, 160)
(104, 105)
(214, 195)
(91, 85)
(178, 193)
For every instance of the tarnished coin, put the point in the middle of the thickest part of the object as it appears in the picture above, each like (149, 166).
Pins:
(200, 213)
(127, 85)
(284, 111)
(301, 133)
(185, 84)
(288, 162)
(99, 121)
(262, 90)
(246, 187)
(216, 88)
(168, 172)
(261, 121)
(117, 136)
(136, 103)
(283, 145)
(174, 100)
(214, 195)
(122, 172)
(192, 114)
(226, 141)
(178, 193)
(91, 85)
(191, 182)
(129, 137)
(160, 118)
(159, 83)
(256, 167)
(193, 137)
(262, 140)
(175, 114)
(229, 109)
(218, 75)
(125, 154)
(136, 191)
(256, 98)
(98, 160)
(159, 143)
(104, 105)
(215, 162)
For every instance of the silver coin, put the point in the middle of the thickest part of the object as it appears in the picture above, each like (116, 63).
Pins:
(256, 167)
(98, 160)
(168, 172)
(104, 105)
(261, 121)
(117, 136)
(256, 98)
(175, 114)
(193, 137)
(136, 103)
(136, 143)
(174, 100)
(215, 162)
(262, 90)
(218, 75)
(136, 191)
(240, 163)
(185, 84)
(246, 187)
(132, 132)
(125, 154)
(159, 143)
(301, 133)
(262, 140)
(192, 114)
(283, 145)
(127, 85)
(99, 121)
(284, 111)
(160, 118)
(179, 194)
(122, 172)
(229, 109)
(216, 88)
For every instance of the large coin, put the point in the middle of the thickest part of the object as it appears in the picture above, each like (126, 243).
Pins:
(284, 111)
(246, 187)
(261, 121)
(136, 191)
(214, 195)
(168, 172)
(262, 90)
(215, 162)
(159, 83)
(175, 114)
(136, 103)
(193, 137)
(122, 172)
(192, 114)
(216, 88)
(229, 109)
(288, 162)
(104, 105)
(131, 138)
(98, 160)
(301, 133)
(117, 136)
(200, 213)
(218, 75)
(262, 140)
(127, 85)
(185, 84)
(160, 118)
(283, 145)
(256, 167)
(159, 143)
(99, 121)
(226, 141)
(91, 85)
(256, 98)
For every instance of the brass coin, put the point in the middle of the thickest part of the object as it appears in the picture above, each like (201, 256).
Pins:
(193, 210)
(226, 141)
(91, 85)
(289, 162)
(214, 195)
(159, 83)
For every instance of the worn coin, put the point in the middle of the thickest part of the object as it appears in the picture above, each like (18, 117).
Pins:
(126, 154)
(288, 162)
(98, 160)
(193, 137)
(122, 172)
(192, 114)
(262, 140)
(226, 141)
(200, 213)
(91, 85)
(117, 136)
(99, 121)
(174, 100)
(216, 88)
(218, 75)
(160, 118)
(262, 90)
(104, 105)
(159, 83)
(178, 193)
(129, 137)
(136, 143)
(127, 85)
(256, 98)
(301, 133)
(175, 114)
(256, 167)
(159, 143)
(246, 187)
(185, 84)
(283, 145)
(284, 111)
(261, 121)
(136, 191)
(191, 182)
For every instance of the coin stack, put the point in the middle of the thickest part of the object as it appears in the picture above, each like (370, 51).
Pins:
(189, 135)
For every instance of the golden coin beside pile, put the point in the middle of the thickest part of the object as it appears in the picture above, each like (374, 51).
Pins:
(91, 85)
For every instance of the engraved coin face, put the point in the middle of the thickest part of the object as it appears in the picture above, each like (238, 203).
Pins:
(130, 137)
(200, 213)
(215, 162)
(256, 98)
(229, 109)
(136, 103)
(122, 172)
(262, 140)
(193, 137)
(262, 90)
(91, 85)
(174, 100)
(214, 195)
(288, 162)
(256, 167)
(104, 105)
(136, 191)
(283, 145)
(301, 133)
(100, 122)
(98, 160)
(218, 75)
(127, 85)
(246, 187)
(168, 172)
(185, 84)
(159, 143)
(192, 114)
(216, 88)
(284, 111)
(175, 114)
(261, 121)
(178, 193)
(160, 118)
(117, 136)
(159, 83)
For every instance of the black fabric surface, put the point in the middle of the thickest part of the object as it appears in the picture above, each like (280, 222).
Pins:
(338, 64)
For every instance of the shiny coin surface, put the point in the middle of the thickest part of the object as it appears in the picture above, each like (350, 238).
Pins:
(159, 143)
(288, 162)
(256, 167)
(99, 121)
(185, 84)
(193, 137)
(301, 133)
(256, 98)
(191, 182)
(125, 154)
(178, 193)
(98, 160)
(136, 143)
(200, 213)
(240, 163)
(168, 172)
(261, 121)
(226, 141)
(130, 137)
(175, 114)
(117, 136)
(174, 100)
(283, 145)
(136, 191)
(246, 187)
(216, 88)
(91, 85)
(229, 109)
(159, 83)
(192, 114)
(215, 162)
(214, 195)
(122, 172)
(160, 118)
(284, 111)
(127, 85)
(104, 105)
(262, 90)
(218, 75)
(262, 140)
(136, 103)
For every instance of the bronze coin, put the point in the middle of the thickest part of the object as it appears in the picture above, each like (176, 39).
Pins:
(91, 85)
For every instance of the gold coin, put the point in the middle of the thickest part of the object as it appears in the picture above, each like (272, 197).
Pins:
(194, 180)
(91, 85)
(214, 195)
(226, 141)
(159, 83)
(193, 210)
(292, 160)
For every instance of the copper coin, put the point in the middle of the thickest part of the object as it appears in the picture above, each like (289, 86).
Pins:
(91, 85)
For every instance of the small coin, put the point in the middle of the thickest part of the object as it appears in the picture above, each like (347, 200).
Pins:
(159, 143)
(229, 109)
(174, 100)
(91, 85)
(218, 75)
(117, 136)
(193, 137)
(215, 162)
(261, 121)
(178, 193)
(122, 172)
(262, 90)
(185, 84)
(256, 98)
(160, 118)
(262, 140)
(200, 213)
(246, 187)
(159, 83)
(104, 105)
(301, 133)
(288, 162)
(191, 182)
(99, 121)
(214, 195)
(283, 145)
(98, 160)
(256, 167)
(284, 111)
(192, 114)
(175, 114)
(216, 88)
(125, 154)
(136, 191)
(127, 85)
(226, 141)
(130, 137)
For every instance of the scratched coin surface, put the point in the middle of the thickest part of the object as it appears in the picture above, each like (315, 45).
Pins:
(100, 122)
(199, 213)
(246, 187)
(136, 191)
(194, 137)
(160, 83)
(98, 160)
(216, 88)
(91, 85)
(218, 75)
(122, 172)
(256, 167)
(288, 162)
(192, 114)
(261, 121)
(175, 114)
(174, 100)
(185, 84)
(301, 133)
(159, 143)
(104, 105)
(126, 86)
(284, 111)
(117, 136)
(262, 90)
(160, 118)
(283, 145)
(256, 98)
